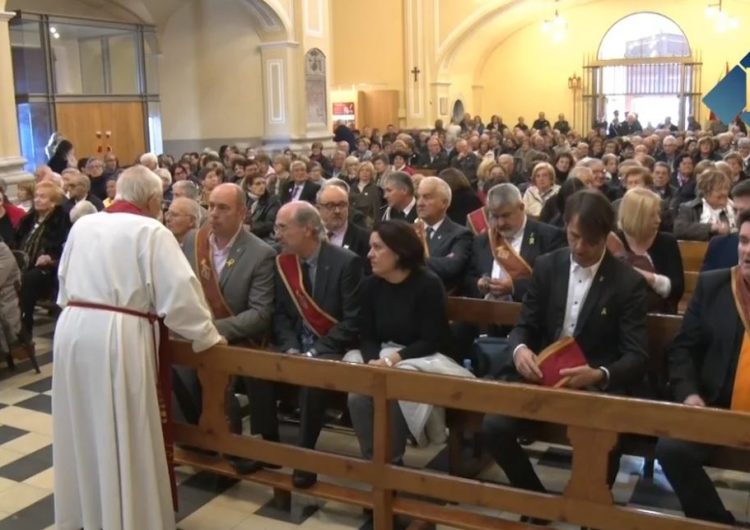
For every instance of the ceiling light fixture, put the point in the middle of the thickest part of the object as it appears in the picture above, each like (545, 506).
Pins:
(723, 22)
(556, 26)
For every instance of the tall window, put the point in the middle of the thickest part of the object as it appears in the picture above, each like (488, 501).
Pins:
(644, 66)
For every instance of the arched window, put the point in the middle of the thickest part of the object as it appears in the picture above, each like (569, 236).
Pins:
(644, 35)
(644, 65)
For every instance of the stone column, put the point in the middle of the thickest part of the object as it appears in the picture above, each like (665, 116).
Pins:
(11, 161)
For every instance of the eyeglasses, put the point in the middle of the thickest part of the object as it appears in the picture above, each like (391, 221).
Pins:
(331, 206)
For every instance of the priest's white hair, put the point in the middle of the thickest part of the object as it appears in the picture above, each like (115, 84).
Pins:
(138, 185)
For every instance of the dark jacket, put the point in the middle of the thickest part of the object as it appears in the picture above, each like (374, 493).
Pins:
(336, 291)
(450, 252)
(703, 357)
(721, 253)
(309, 192)
(56, 229)
(261, 220)
(538, 239)
(367, 202)
(687, 224)
(611, 327)
(437, 164)
(357, 239)
(463, 202)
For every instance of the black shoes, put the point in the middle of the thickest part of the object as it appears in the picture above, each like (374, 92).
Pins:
(246, 466)
(303, 479)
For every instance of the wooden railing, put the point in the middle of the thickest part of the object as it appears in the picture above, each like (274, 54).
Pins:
(593, 424)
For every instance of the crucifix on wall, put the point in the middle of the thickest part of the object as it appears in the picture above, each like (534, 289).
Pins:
(416, 71)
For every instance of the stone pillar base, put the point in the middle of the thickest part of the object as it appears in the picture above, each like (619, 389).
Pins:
(12, 171)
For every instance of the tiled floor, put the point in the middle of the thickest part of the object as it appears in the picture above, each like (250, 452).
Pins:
(209, 502)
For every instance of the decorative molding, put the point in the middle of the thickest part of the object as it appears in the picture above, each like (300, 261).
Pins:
(6, 15)
(414, 52)
(440, 83)
(310, 29)
(436, 26)
(278, 44)
(275, 92)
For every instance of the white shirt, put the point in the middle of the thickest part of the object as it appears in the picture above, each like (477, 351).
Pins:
(220, 255)
(434, 227)
(405, 211)
(579, 284)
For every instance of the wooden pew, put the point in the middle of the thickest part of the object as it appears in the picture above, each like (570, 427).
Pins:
(661, 331)
(692, 253)
(594, 422)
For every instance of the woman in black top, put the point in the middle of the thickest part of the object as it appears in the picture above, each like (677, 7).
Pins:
(402, 316)
(41, 236)
(62, 157)
(262, 207)
(654, 254)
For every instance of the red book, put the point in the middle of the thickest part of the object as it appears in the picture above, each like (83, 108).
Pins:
(565, 353)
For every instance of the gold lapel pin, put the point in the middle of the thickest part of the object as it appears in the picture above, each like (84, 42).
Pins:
(604, 312)
(230, 262)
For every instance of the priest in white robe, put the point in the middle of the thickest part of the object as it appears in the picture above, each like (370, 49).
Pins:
(118, 267)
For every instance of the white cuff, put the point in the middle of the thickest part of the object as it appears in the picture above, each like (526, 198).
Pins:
(662, 285)
(516, 350)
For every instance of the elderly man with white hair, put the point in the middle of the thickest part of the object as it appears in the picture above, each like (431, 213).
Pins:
(150, 160)
(79, 189)
(447, 244)
(111, 460)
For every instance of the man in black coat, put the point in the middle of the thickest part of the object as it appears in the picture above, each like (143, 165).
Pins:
(585, 293)
(333, 205)
(448, 243)
(299, 187)
(529, 239)
(435, 158)
(399, 198)
(330, 278)
(703, 372)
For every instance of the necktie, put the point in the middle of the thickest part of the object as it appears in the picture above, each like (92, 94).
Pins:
(396, 214)
(429, 231)
(297, 191)
(306, 279)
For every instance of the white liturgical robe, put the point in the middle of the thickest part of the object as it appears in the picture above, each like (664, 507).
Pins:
(109, 458)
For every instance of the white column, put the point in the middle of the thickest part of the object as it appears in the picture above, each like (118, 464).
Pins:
(11, 161)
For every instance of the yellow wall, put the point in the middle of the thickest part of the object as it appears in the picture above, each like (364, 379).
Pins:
(210, 73)
(528, 72)
(368, 44)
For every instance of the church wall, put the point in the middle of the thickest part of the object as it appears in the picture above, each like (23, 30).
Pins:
(210, 77)
(528, 72)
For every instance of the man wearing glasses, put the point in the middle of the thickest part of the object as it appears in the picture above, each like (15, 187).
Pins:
(333, 205)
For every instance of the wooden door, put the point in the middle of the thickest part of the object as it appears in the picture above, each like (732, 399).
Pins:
(80, 123)
(380, 109)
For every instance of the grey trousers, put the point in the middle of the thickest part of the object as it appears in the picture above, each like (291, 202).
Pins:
(362, 412)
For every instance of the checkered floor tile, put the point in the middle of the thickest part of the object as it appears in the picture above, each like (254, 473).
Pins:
(210, 502)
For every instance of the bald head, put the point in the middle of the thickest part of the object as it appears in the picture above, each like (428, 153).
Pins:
(226, 211)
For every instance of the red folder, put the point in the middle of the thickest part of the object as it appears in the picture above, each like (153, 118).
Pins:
(565, 353)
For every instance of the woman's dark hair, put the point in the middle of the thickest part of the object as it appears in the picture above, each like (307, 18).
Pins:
(554, 209)
(455, 179)
(400, 237)
(63, 148)
(596, 217)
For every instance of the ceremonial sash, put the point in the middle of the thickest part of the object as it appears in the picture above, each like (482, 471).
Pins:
(290, 271)
(507, 257)
(478, 221)
(741, 390)
(207, 276)
(163, 360)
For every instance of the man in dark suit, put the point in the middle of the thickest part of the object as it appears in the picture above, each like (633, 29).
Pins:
(78, 186)
(328, 328)
(448, 243)
(333, 205)
(585, 293)
(528, 238)
(705, 371)
(236, 271)
(435, 158)
(299, 188)
(399, 197)
(466, 161)
(722, 250)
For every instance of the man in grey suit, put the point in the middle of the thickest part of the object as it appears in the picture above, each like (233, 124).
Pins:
(236, 271)
(317, 310)
(448, 243)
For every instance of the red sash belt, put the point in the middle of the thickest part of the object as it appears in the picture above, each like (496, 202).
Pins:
(163, 382)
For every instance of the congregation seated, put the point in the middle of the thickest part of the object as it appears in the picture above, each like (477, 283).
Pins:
(333, 205)
(78, 187)
(41, 236)
(464, 199)
(553, 212)
(365, 195)
(182, 218)
(447, 244)
(435, 157)
(542, 188)
(299, 187)
(329, 296)
(585, 294)
(708, 368)
(711, 213)
(684, 180)
(209, 177)
(403, 325)
(652, 253)
(262, 207)
(398, 190)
